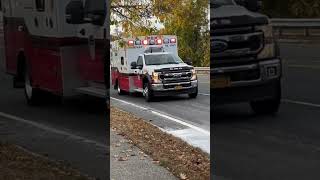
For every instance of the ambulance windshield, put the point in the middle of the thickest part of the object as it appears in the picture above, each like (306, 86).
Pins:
(160, 59)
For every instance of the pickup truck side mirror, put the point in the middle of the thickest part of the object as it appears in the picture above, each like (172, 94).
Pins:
(134, 65)
(75, 12)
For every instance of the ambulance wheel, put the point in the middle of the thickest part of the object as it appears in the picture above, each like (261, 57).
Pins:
(120, 92)
(194, 94)
(32, 95)
(147, 93)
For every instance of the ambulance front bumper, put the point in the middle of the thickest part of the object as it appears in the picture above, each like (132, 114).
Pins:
(175, 88)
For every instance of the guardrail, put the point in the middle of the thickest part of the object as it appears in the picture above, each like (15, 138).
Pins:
(280, 24)
(202, 70)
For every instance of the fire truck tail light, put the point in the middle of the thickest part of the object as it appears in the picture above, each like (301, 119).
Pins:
(131, 43)
(159, 41)
(173, 40)
(145, 42)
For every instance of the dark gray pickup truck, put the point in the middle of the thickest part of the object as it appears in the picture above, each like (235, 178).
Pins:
(245, 62)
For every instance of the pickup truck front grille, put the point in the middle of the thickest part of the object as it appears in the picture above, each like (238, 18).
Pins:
(171, 79)
(253, 43)
(236, 46)
(232, 31)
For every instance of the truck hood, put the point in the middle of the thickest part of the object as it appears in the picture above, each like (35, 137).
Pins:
(234, 15)
(154, 68)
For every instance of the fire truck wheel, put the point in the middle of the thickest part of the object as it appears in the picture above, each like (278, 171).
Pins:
(147, 93)
(32, 94)
(120, 92)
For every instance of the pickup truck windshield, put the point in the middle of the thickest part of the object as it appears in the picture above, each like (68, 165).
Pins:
(160, 59)
(218, 3)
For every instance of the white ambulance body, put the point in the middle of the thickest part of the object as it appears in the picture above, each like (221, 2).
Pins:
(151, 65)
(56, 46)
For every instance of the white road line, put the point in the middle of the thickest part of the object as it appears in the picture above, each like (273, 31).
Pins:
(304, 66)
(161, 114)
(301, 103)
(204, 94)
(194, 138)
(50, 129)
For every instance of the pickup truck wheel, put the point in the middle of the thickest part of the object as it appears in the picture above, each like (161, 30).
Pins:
(268, 106)
(119, 90)
(147, 93)
(193, 95)
(32, 95)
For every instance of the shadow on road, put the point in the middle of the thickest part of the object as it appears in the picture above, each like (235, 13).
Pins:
(239, 113)
(181, 97)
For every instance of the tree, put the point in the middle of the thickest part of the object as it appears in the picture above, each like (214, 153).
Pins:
(292, 8)
(132, 15)
(188, 19)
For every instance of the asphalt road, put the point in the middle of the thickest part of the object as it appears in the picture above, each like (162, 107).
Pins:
(285, 146)
(193, 111)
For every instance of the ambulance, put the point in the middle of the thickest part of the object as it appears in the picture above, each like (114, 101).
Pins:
(58, 47)
(151, 65)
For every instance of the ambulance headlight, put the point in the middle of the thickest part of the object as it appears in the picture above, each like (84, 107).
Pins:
(269, 45)
(194, 75)
(155, 77)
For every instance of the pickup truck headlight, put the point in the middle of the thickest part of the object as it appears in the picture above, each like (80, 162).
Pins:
(194, 75)
(269, 43)
(155, 77)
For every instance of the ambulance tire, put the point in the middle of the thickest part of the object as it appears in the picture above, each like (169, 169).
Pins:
(119, 90)
(147, 93)
(194, 94)
(33, 95)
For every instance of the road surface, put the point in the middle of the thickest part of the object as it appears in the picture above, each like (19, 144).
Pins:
(279, 147)
(181, 116)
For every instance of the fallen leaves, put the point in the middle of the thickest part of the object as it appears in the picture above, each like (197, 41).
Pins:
(166, 150)
(183, 176)
(16, 163)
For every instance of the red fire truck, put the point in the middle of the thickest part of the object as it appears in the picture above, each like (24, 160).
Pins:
(56, 46)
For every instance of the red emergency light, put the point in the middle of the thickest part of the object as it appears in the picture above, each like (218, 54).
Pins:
(145, 42)
(159, 41)
(173, 40)
(130, 42)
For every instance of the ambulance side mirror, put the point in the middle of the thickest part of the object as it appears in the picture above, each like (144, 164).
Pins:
(75, 12)
(134, 65)
(95, 12)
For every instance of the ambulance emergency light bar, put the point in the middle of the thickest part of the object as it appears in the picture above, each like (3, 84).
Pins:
(151, 42)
